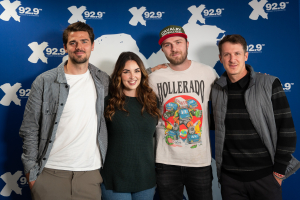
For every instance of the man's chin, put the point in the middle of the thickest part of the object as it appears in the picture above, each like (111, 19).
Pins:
(79, 61)
(176, 62)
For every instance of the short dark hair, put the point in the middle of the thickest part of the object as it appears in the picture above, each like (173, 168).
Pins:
(78, 26)
(234, 39)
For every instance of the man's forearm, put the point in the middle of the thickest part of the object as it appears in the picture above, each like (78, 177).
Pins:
(150, 70)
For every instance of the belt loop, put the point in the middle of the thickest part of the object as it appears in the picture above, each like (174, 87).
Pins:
(72, 183)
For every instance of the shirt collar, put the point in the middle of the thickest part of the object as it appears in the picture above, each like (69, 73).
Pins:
(242, 82)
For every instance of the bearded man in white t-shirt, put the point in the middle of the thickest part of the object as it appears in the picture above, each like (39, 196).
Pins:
(63, 130)
(183, 153)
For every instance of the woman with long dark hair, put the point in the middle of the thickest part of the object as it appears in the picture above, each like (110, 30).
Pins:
(131, 112)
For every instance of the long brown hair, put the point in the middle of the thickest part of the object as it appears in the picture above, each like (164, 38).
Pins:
(145, 94)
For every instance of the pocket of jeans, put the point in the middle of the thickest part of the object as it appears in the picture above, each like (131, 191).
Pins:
(35, 184)
(100, 177)
(276, 182)
(93, 177)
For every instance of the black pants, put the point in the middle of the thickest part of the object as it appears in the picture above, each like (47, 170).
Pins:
(266, 188)
(171, 179)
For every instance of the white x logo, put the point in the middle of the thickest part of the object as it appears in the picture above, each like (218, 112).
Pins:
(10, 94)
(38, 52)
(11, 183)
(77, 14)
(196, 14)
(137, 16)
(258, 9)
(10, 10)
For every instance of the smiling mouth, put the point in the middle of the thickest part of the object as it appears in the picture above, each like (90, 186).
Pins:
(132, 82)
(175, 54)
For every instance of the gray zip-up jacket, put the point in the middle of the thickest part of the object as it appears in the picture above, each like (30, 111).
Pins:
(259, 106)
(49, 93)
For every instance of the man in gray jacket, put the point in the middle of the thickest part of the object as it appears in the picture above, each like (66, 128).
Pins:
(255, 134)
(63, 130)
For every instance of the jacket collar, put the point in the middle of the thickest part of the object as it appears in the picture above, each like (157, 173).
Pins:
(94, 70)
(61, 77)
(222, 81)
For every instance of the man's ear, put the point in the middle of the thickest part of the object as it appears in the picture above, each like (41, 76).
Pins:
(65, 48)
(93, 45)
(246, 56)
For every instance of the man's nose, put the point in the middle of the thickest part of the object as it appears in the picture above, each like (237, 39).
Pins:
(173, 48)
(78, 45)
(232, 57)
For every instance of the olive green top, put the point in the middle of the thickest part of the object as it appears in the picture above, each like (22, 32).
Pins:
(129, 164)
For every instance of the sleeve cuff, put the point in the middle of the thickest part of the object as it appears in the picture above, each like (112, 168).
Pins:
(149, 70)
(279, 168)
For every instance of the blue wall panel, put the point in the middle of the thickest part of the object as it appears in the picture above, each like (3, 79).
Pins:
(31, 41)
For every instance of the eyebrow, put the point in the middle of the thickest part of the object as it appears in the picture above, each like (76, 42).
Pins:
(129, 70)
(79, 40)
(178, 40)
(233, 52)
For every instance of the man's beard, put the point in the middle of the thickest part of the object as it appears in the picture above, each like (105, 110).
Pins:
(177, 61)
(79, 60)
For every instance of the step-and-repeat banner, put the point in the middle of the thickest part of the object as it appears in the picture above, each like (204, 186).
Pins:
(31, 43)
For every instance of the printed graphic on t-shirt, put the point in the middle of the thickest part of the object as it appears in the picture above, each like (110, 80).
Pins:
(183, 121)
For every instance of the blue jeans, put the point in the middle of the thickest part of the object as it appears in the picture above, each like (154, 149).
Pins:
(112, 195)
(170, 180)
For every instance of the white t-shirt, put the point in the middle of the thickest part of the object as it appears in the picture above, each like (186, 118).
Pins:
(75, 147)
(182, 134)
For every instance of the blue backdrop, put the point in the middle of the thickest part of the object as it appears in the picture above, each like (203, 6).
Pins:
(31, 40)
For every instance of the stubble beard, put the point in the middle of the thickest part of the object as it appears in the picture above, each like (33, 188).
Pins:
(178, 61)
(78, 60)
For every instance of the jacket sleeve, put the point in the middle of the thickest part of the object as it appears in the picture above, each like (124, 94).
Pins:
(211, 114)
(286, 133)
(105, 80)
(30, 127)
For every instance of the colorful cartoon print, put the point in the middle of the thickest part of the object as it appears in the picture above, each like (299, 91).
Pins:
(183, 121)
